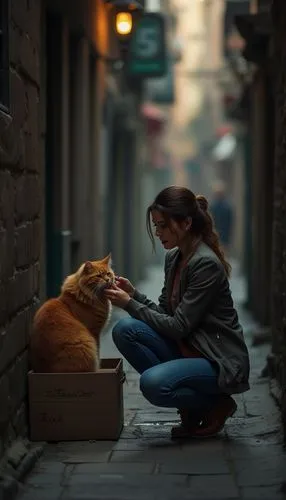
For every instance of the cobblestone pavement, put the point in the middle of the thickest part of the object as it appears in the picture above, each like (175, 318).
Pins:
(246, 461)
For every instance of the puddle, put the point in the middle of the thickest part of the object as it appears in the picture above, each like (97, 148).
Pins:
(156, 424)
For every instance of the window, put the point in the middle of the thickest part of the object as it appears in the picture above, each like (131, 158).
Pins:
(4, 54)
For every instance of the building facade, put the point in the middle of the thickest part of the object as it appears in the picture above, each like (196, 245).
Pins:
(69, 134)
(92, 131)
(278, 275)
(261, 109)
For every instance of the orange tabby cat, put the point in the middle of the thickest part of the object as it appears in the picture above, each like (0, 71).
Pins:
(66, 329)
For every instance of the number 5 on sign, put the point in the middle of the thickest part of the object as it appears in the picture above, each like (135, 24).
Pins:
(147, 42)
(147, 56)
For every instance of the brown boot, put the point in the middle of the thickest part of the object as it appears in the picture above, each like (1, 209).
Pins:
(187, 426)
(216, 418)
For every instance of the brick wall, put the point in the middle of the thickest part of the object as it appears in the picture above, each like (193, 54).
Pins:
(20, 219)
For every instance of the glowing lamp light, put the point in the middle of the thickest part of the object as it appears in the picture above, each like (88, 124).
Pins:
(123, 23)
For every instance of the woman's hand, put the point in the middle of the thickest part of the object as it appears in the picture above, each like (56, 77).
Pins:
(117, 296)
(124, 284)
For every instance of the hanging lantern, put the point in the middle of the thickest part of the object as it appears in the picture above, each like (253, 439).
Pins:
(125, 14)
(123, 23)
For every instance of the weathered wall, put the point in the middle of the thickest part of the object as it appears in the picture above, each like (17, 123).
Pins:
(278, 295)
(20, 221)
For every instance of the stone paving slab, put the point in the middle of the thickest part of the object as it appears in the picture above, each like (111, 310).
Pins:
(41, 493)
(115, 468)
(222, 486)
(263, 493)
(265, 471)
(173, 487)
(245, 461)
(206, 465)
(79, 452)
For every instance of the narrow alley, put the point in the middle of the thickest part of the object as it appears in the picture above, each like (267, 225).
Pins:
(246, 461)
(103, 105)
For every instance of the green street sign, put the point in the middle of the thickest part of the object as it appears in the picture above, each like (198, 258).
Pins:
(147, 55)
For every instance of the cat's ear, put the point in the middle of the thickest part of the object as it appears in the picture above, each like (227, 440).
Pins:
(107, 260)
(87, 268)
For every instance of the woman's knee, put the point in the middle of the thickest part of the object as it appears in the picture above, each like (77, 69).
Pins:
(125, 329)
(152, 385)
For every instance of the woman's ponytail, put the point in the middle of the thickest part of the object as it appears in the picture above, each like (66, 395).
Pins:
(209, 234)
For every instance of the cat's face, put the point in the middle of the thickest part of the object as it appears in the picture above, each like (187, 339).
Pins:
(90, 280)
(95, 276)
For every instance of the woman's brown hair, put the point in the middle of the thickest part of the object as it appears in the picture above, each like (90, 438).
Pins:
(178, 203)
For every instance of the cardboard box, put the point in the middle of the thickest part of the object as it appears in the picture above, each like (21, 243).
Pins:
(77, 406)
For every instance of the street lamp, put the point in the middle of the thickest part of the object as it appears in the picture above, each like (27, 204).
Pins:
(125, 13)
(123, 23)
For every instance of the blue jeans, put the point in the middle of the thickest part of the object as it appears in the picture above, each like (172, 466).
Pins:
(167, 379)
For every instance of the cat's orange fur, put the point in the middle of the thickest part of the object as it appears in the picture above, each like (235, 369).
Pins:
(66, 330)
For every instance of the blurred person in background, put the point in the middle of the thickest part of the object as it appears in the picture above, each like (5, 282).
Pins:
(222, 212)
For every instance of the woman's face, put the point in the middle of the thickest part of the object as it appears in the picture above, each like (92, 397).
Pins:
(172, 234)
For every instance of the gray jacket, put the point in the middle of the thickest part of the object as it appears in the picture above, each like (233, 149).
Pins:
(205, 316)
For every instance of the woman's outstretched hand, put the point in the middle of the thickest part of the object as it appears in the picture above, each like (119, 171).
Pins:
(117, 296)
(125, 285)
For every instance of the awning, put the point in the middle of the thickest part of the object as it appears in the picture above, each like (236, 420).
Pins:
(222, 130)
(225, 148)
(251, 25)
(256, 29)
(233, 8)
(152, 112)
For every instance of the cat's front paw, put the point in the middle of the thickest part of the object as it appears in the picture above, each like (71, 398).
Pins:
(96, 365)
